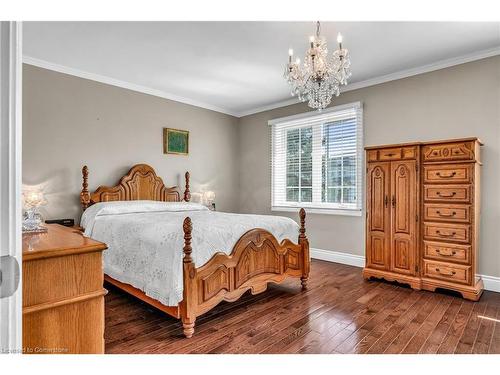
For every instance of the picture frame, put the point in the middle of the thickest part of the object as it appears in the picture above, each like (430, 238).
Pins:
(175, 141)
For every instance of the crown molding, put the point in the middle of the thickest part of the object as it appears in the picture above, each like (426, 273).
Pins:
(442, 64)
(268, 107)
(123, 84)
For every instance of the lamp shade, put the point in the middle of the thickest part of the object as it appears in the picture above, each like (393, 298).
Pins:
(209, 196)
(33, 197)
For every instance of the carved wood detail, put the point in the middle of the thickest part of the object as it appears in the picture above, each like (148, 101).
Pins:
(449, 151)
(378, 210)
(404, 192)
(140, 183)
(256, 259)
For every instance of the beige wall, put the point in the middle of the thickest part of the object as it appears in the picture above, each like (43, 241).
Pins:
(460, 101)
(69, 122)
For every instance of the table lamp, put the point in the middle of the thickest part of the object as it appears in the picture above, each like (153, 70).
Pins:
(209, 197)
(32, 220)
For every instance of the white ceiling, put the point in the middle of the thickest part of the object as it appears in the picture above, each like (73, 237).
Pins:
(237, 67)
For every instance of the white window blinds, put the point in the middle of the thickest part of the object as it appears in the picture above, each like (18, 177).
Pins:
(317, 159)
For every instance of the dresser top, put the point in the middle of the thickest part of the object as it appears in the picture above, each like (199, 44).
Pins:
(470, 139)
(58, 241)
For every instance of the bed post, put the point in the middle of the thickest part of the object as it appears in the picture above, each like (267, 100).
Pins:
(304, 244)
(84, 195)
(188, 308)
(187, 193)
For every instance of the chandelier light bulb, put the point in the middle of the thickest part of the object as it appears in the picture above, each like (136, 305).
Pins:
(339, 38)
(290, 52)
(297, 61)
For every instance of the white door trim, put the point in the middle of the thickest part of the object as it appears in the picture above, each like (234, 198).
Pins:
(10, 173)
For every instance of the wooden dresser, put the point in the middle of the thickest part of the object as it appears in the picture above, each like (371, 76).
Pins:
(422, 208)
(63, 294)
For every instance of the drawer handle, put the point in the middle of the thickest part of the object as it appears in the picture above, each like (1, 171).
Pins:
(452, 273)
(446, 215)
(446, 254)
(451, 175)
(390, 154)
(435, 153)
(452, 234)
(452, 194)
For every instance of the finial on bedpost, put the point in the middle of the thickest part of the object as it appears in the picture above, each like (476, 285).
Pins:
(84, 195)
(187, 193)
(304, 244)
(302, 230)
(188, 227)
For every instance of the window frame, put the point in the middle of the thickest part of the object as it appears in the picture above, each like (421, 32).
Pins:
(306, 120)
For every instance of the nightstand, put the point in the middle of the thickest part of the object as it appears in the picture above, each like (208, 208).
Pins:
(63, 294)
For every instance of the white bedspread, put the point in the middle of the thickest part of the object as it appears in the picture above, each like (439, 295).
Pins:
(145, 240)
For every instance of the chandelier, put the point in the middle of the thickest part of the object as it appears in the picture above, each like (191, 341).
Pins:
(321, 76)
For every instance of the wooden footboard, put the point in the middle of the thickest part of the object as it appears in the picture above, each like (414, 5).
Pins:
(256, 260)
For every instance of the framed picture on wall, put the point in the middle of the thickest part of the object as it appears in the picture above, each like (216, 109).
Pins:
(175, 141)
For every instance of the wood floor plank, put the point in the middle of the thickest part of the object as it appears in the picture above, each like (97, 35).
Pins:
(338, 313)
(456, 330)
(365, 322)
(399, 324)
(495, 338)
(426, 329)
(404, 337)
(485, 331)
(437, 336)
(468, 337)
(374, 329)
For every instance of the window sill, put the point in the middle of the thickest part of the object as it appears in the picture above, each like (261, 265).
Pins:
(323, 211)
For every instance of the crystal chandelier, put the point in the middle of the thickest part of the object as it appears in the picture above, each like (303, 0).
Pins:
(321, 76)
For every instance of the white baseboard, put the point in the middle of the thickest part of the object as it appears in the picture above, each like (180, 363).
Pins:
(491, 283)
(338, 257)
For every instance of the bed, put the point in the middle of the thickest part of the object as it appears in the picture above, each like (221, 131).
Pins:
(182, 258)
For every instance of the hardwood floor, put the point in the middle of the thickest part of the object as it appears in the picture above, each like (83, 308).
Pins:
(338, 313)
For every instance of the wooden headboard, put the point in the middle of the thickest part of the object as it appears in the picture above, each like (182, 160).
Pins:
(140, 183)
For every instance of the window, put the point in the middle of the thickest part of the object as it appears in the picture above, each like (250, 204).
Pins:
(317, 160)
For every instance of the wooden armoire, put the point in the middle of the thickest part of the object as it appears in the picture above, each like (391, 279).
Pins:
(422, 215)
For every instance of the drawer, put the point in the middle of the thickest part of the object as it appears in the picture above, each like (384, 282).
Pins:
(447, 271)
(447, 252)
(455, 173)
(394, 153)
(372, 155)
(457, 213)
(449, 151)
(447, 232)
(447, 193)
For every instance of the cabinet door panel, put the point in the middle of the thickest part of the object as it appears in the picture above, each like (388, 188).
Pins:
(378, 221)
(404, 210)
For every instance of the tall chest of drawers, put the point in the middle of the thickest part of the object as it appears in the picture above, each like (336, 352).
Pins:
(423, 207)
